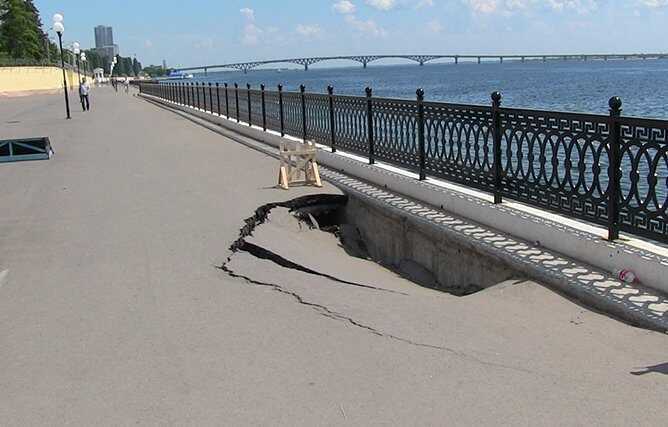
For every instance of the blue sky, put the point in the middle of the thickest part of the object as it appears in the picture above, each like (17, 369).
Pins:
(196, 32)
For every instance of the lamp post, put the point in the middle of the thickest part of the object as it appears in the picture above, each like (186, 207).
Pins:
(59, 27)
(83, 61)
(76, 48)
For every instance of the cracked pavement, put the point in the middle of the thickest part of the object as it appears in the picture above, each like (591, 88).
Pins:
(114, 311)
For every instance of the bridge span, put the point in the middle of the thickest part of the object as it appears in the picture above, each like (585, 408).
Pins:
(423, 59)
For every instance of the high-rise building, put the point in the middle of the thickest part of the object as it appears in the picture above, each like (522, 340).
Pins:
(104, 36)
(104, 42)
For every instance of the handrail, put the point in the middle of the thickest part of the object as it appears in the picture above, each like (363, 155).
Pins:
(609, 170)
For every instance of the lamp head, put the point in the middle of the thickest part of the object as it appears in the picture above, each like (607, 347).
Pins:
(57, 18)
(58, 27)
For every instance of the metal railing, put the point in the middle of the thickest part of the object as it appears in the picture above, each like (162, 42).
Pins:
(608, 170)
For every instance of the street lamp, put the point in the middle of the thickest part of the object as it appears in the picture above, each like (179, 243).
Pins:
(76, 48)
(59, 28)
(83, 61)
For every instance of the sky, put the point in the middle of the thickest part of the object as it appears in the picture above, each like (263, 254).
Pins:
(199, 32)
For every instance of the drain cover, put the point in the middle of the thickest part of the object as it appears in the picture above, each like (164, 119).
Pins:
(14, 150)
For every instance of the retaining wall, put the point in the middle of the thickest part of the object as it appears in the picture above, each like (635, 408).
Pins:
(16, 81)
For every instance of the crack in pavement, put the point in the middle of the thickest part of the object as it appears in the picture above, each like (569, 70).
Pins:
(266, 254)
(241, 245)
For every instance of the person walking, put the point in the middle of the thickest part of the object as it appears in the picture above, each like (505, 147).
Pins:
(84, 90)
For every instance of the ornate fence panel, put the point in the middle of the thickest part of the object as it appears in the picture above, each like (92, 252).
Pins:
(557, 161)
(395, 132)
(317, 118)
(644, 177)
(459, 143)
(273, 112)
(350, 118)
(256, 107)
(292, 112)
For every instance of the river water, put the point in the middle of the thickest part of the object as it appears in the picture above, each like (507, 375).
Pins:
(576, 86)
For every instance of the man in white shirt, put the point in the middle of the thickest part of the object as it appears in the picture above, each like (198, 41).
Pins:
(84, 90)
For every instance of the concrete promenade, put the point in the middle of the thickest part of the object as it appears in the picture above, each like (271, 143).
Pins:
(113, 310)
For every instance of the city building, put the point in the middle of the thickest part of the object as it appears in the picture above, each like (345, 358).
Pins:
(104, 42)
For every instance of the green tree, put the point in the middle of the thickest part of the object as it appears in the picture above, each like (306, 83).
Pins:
(136, 67)
(21, 36)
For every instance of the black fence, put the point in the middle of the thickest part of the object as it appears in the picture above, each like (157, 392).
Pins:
(608, 170)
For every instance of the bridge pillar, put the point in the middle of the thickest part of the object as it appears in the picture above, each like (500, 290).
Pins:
(605, 57)
(421, 63)
(306, 67)
(523, 59)
(206, 71)
(479, 60)
(544, 58)
(456, 60)
(364, 64)
(584, 57)
(501, 59)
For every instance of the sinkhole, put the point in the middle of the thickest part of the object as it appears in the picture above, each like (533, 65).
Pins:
(365, 229)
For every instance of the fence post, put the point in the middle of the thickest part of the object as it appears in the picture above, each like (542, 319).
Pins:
(614, 172)
(369, 114)
(227, 103)
(199, 100)
(280, 109)
(248, 98)
(210, 99)
(264, 111)
(204, 96)
(182, 94)
(421, 141)
(497, 134)
(218, 98)
(187, 91)
(332, 124)
(236, 98)
(302, 91)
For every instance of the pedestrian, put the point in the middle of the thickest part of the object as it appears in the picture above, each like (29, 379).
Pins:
(84, 90)
(127, 85)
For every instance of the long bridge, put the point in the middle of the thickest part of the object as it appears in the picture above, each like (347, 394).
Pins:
(423, 59)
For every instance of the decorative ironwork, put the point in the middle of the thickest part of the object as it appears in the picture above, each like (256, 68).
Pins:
(292, 111)
(608, 170)
(643, 205)
(557, 161)
(459, 143)
(395, 130)
(351, 124)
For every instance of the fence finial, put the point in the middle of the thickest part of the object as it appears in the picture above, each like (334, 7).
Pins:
(420, 94)
(496, 98)
(615, 104)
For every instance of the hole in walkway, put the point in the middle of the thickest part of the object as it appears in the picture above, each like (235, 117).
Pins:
(411, 250)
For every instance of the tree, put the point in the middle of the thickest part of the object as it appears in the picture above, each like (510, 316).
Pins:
(136, 67)
(21, 36)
